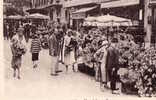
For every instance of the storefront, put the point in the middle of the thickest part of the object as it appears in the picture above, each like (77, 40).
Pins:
(131, 9)
(53, 10)
(76, 11)
(78, 16)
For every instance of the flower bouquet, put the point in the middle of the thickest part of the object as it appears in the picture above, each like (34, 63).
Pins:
(21, 49)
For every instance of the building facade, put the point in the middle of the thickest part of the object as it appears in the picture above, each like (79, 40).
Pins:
(142, 11)
(77, 11)
(72, 12)
(53, 8)
(12, 7)
(150, 21)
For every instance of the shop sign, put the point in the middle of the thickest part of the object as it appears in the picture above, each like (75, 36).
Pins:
(78, 15)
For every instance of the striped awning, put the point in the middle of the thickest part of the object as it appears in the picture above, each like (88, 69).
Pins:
(120, 3)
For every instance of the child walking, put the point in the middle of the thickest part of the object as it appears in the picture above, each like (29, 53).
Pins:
(35, 49)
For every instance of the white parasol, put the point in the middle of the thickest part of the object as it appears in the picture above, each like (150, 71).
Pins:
(15, 17)
(37, 16)
(108, 20)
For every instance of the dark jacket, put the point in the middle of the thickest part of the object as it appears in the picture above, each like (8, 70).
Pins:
(112, 58)
(53, 46)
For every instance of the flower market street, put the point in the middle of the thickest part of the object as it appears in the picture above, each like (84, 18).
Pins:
(38, 83)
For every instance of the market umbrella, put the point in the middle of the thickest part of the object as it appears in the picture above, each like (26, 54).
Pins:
(90, 19)
(88, 23)
(37, 16)
(109, 20)
(17, 17)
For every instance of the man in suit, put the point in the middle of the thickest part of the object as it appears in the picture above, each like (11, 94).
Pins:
(54, 52)
(27, 28)
(112, 61)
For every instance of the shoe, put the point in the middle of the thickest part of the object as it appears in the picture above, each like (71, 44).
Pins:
(19, 77)
(58, 71)
(35, 66)
(59, 61)
(102, 89)
(54, 74)
(115, 92)
(105, 85)
(62, 63)
(66, 68)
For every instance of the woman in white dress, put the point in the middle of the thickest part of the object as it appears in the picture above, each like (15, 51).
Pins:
(68, 52)
(103, 53)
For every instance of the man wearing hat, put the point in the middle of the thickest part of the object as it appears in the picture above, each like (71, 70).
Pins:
(112, 65)
(27, 29)
(54, 52)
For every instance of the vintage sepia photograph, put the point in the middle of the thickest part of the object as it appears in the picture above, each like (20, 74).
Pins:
(79, 49)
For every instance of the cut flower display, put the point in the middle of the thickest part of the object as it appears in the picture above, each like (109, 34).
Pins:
(140, 66)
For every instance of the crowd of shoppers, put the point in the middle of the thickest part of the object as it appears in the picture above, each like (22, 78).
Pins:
(68, 46)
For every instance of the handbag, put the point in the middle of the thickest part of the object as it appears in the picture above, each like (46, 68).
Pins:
(68, 49)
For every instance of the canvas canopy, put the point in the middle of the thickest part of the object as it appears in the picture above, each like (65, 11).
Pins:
(119, 3)
(15, 17)
(37, 16)
(91, 19)
(107, 20)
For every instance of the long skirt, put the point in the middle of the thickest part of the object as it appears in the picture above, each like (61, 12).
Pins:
(69, 58)
(103, 68)
(16, 62)
(103, 72)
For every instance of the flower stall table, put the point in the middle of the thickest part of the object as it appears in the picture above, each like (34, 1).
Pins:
(139, 74)
(85, 65)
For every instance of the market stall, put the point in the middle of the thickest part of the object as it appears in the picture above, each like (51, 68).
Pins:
(107, 20)
(37, 16)
(137, 64)
(15, 17)
(38, 19)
